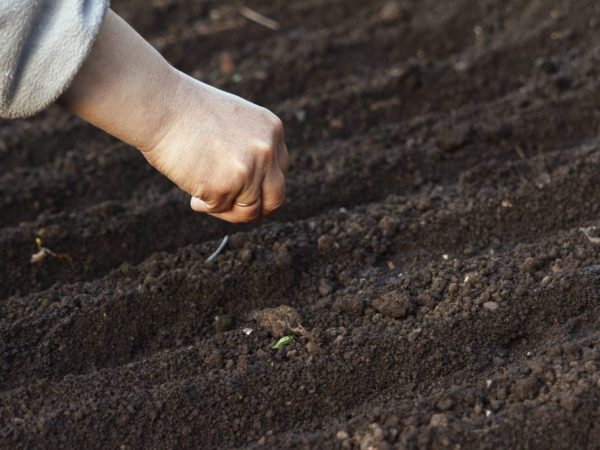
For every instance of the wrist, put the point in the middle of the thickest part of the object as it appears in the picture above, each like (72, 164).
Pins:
(125, 87)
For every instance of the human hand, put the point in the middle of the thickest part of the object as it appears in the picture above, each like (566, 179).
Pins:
(226, 152)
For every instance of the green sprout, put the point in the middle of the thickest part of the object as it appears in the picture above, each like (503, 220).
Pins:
(283, 342)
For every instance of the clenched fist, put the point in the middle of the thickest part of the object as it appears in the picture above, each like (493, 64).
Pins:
(227, 153)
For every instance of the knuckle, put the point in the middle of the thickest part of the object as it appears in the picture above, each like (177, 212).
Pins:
(221, 190)
(241, 172)
(277, 126)
(264, 149)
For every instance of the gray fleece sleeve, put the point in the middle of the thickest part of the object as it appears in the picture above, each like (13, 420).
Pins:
(43, 43)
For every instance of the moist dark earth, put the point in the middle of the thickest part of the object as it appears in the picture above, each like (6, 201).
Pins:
(435, 261)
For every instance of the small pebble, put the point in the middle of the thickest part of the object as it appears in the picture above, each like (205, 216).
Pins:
(342, 435)
(491, 306)
(439, 420)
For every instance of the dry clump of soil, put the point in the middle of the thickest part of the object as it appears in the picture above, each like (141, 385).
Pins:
(435, 262)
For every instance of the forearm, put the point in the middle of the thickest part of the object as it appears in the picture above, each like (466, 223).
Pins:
(124, 87)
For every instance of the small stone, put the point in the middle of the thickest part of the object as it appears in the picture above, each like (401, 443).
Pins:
(590, 354)
(444, 404)
(439, 420)
(283, 256)
(569, 348)
(569, 402)
(237, 241)
(425, 299)
(226, 64)
(215, 359)
(388, 225)
(223, 323)
(528, 265)
(325, 287)
(391, 11)
(423, 203)
(246, 255)
(326, 243)
(414, 334)
(313, 347)
(526, 388)
(491, 306)
(342, 435)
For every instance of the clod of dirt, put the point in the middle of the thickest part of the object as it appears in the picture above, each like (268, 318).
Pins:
(325, 287)
(279, 321)
(393, 304)
(326, 243)
(391, 11)
(439, 420)
(223, 323)
(525, 389)
(388, 225)
(568, 402)
(350, 305)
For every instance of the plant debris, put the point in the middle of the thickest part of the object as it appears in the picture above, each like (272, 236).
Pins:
(285, 340)
(44, 252)
(592, 234)
(258, 18)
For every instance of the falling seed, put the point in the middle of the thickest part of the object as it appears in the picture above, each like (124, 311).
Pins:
(247, 331)
(445, 257)
(219, 249)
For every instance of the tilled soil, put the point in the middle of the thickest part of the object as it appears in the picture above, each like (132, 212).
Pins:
(434, 260)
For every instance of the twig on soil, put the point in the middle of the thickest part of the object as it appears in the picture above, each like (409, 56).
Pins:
(218, 250)
(588, 231)
(258, 18)
(44, 252)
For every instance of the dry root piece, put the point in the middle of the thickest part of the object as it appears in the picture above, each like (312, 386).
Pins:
(44, 252)
(592, 234)
(279, 321)
(258, 18)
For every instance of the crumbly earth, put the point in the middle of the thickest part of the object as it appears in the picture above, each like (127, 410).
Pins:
(430, 259)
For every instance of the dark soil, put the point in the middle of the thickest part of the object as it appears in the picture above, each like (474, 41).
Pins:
(429, 260)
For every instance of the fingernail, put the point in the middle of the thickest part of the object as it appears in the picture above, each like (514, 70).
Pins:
(197, 204)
